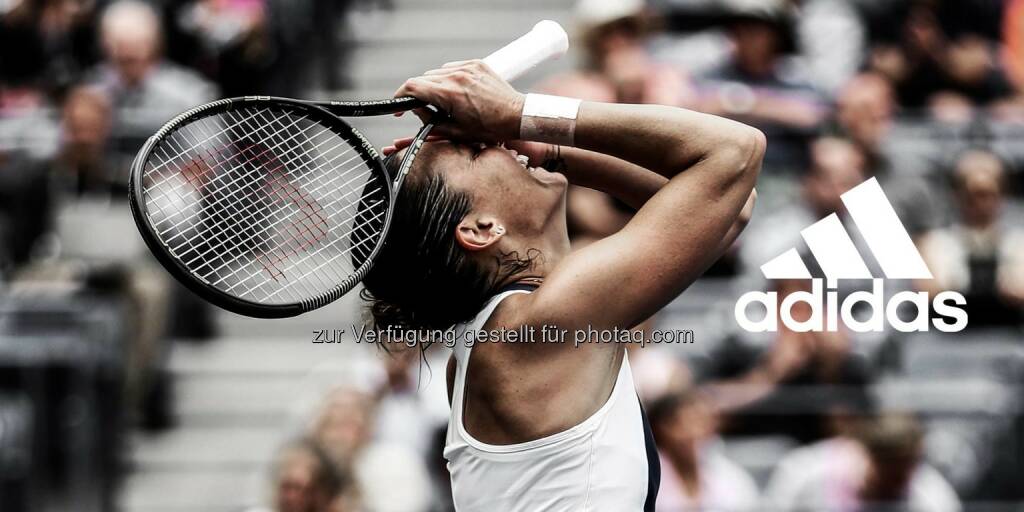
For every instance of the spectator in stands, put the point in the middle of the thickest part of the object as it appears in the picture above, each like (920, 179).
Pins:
(942, 56)
(408, 396)
(83, 166)
(145, 91)
(25, 205)
(837, 165)
(344, 425)
(695, 475)
(45, 45)
(51, 203)
(756, 388)
(204, 30)
(879, 466)
(657, 371)
(831, 38)
(979, 255)
(756, 85)
(865, 109)
(33, 43)
(344, 428)
(1012, 57)
(414, 392)
(307, 480)
(617, 68)
(244, 45)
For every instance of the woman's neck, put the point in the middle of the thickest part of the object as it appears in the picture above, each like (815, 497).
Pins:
(543, 255)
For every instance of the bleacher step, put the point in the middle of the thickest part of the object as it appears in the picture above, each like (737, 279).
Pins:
(206, 489)
(190, 447)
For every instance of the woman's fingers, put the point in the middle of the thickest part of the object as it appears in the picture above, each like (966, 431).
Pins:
(456, 63)
(441, 72)
(429, 89)
(425, 114)
(418, 87)
(404, 142)
(479, 103)
(451, 131)
(451, 68)
(398, 145)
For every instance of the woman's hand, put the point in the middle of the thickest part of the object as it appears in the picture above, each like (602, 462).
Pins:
(538, 152)
(481, 106)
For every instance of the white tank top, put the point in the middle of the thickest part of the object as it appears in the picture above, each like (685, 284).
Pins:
(606, 463)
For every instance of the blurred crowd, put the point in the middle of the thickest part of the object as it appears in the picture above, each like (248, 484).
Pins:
(926, 96)
(82, 84)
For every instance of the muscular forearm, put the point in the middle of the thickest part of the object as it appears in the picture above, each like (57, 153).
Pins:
(665, 140)
(629, 183)
(793, 111)
(641, 147)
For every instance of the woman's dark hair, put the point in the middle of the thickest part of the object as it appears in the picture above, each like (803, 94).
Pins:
(421, 279)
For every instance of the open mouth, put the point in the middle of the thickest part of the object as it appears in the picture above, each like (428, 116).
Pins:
(523, 160)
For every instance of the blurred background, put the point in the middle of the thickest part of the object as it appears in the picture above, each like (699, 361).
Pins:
(119, 390)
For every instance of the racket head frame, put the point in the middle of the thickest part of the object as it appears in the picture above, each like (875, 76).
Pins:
(327, 114)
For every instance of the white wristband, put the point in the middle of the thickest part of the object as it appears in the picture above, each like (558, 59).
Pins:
(549, 119)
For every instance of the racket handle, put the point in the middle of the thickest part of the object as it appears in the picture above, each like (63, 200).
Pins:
(547, 40)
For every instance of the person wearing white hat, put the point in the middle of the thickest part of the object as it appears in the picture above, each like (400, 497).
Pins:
(615, 68)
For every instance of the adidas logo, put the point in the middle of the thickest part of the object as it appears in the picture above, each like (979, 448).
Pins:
(838, 257)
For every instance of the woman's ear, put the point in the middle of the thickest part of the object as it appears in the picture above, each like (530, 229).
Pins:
(477, 234)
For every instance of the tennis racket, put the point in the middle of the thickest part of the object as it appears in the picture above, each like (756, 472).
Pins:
(271, 207)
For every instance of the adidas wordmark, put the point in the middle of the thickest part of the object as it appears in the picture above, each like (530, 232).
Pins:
(836, 254)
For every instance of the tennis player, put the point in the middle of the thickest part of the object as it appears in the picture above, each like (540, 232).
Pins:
(479, 242)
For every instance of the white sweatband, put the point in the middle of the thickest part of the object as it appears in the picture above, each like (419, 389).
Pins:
(549, 119)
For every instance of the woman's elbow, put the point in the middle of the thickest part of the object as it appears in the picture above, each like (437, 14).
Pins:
(741, 155)
(754, 145)
(747, 212)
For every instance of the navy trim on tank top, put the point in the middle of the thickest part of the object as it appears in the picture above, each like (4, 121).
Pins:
(653, 463)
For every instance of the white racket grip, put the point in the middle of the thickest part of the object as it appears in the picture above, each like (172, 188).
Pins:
(547, 40)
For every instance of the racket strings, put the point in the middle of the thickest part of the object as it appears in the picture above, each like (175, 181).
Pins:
(270, 261)
(299, 234)
(228, 232)
(334, 202)
(218, 166)
(221, 162)
(264, 204)
(226, 222)
(290, 212)
(273, 267)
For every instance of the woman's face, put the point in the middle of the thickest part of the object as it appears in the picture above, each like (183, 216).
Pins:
(526, 199)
